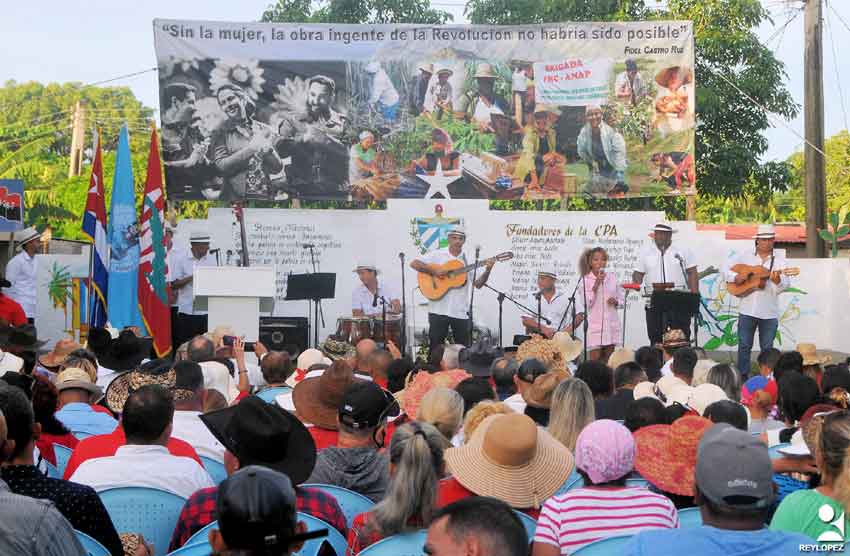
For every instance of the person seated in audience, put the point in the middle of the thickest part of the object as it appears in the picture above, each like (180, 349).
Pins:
(701, 370)
(797, 393)
(444, 409)
(416, 466)
(835, 383)
(538, 397)
(476, 416)
(473, 390)
(508, 457)
(673, 341)
(727, 411)
(734, 491)
(801, 511)
(308, 359)
(227, 352)
(502, 371)
(759, 395)
(683, 363)
(217, 375)
(650, 358)
(476, 526)
(644, 412)
(189, 396)
(356, 462)
(599, 377)
(316, 402)
(276, 367)
(728, 378)
(626, 377)
(31, 526)
(79, 504)
(767, 360)
(213, 401)
(605, 452)
(45, 402)
(257, 516)
(144, 461)
(667, 455)
(379, 362)
(363, 350)
(572, 410)
(256, 433)
(789, 361)
(528, 371)
(397, 373)
(77, 397)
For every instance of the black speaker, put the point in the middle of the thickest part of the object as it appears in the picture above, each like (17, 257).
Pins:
(289, 334)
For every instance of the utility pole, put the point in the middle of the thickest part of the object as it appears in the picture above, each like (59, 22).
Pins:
(813, 160)
(78, 139)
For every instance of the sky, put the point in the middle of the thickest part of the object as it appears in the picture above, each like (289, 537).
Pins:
(95, 40)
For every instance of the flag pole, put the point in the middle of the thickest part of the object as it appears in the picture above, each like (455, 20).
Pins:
(90, 284)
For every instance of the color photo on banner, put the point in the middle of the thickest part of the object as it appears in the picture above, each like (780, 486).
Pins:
(419, 119)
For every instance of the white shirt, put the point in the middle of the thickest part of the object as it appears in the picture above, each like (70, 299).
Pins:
(551, 309)
(217, 377)
(482, 111)
(106, 376)
(650, 265)
(761, 304)
(667, 368)
(189, 428)
(383, 90)
(516, 402)
(361, 298)
(455, 303)
(136, 465)
(22, 272)
(184, 266)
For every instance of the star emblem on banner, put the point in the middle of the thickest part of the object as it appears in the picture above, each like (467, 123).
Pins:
(438, 183)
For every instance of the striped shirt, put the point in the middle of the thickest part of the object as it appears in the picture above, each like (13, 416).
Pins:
(581, 516)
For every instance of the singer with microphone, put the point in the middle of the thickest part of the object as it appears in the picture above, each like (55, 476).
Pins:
(666, 266)
(553, 305)
(598, 297)
(190, 322)
(365, 300)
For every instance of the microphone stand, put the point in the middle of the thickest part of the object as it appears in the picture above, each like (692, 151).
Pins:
(403, 345)
(317, 303)
(472, 296)
(383, 317)
(539, 297)
(501, 297)
(571, 309)
(586, 317)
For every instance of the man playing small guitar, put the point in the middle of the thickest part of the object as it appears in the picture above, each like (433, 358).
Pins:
(758, 289)
(450, 309)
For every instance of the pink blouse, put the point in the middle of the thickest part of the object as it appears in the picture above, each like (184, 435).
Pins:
(603, 325)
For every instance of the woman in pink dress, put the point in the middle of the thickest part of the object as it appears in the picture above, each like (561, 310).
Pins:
(603, 297)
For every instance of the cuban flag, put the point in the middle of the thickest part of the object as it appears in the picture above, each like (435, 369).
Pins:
(94, 227)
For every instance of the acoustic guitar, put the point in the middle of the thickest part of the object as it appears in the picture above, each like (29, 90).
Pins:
(756, 277)
(435, 287)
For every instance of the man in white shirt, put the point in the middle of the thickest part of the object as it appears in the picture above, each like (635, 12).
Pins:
(758, 310)
(188, 406)
(383, 93)
(366, 297)
(22, 271)
(553, 305)
(190, 322)
(144, 461)
(451, 310)
(664, 263)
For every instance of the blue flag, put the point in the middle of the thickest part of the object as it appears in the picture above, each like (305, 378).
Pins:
(123, 234)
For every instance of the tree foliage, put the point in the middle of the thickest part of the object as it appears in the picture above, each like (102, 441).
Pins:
(355, 11)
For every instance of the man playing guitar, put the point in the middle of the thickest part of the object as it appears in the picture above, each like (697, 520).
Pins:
(759, 309)
(451, 309)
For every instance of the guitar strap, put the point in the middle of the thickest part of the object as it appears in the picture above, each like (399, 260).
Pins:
(772, 257)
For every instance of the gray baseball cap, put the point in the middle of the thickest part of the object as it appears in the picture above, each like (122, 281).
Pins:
(734, 469)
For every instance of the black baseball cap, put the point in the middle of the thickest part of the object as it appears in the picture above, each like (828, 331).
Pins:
(256, 509)
(365, 405)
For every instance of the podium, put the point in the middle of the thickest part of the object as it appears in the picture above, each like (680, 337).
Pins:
(235, 296)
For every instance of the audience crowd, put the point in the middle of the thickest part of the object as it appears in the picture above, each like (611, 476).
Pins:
(535, 455)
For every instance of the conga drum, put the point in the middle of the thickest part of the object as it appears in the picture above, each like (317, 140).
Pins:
(393, 329)
(353, 329)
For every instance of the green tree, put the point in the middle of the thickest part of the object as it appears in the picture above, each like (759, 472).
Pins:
(355, 11)
(837, 149)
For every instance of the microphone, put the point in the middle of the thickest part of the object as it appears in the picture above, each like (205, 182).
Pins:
(375, 300)
(477, 250)
(401, 256)
(538, 294)
(678, 257)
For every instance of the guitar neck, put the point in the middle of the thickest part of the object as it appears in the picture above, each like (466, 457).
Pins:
(469, 267)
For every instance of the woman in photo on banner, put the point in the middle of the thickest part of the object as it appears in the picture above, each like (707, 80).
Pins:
(599, 298)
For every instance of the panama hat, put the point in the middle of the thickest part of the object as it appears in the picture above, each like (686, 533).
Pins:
(428, 68)
(485, 70)
(457, 231)
(26, 235)
(198, 236)
(539, 394)
(76, 378)
(156, 371)
(442, 71)
(663, 227)
(667, 454)
(765, 231)
(704, 395)
(811, 356)
(619, 356)
(59, 353)
(366, 265)
(512, 459)
(547, 272)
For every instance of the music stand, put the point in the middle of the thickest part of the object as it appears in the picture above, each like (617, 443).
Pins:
(314, 287)
(676, 303)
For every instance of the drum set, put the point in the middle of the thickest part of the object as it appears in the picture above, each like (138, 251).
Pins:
(354, 329)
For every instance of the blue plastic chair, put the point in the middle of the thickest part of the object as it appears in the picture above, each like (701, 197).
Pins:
(198, 549)
(774, 450)
(637, 482)
(215, 469)
(404, 544)
(334, 538)
(611, 546)
(81, 435)
(52, 472)
(529, 524)
(269, 394)
(351, 503)
(149, 511)
(690, 518)
(573, 481)
(202, 535)
(91, 546)
(63, 454)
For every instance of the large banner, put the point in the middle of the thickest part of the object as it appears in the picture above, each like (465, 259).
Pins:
(275, 111)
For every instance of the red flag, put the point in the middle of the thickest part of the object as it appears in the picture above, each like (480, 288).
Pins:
(153, 267)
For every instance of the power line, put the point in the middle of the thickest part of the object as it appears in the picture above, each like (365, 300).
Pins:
(838, 15)
(33, 138)
(837, 73)
(134, 74)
